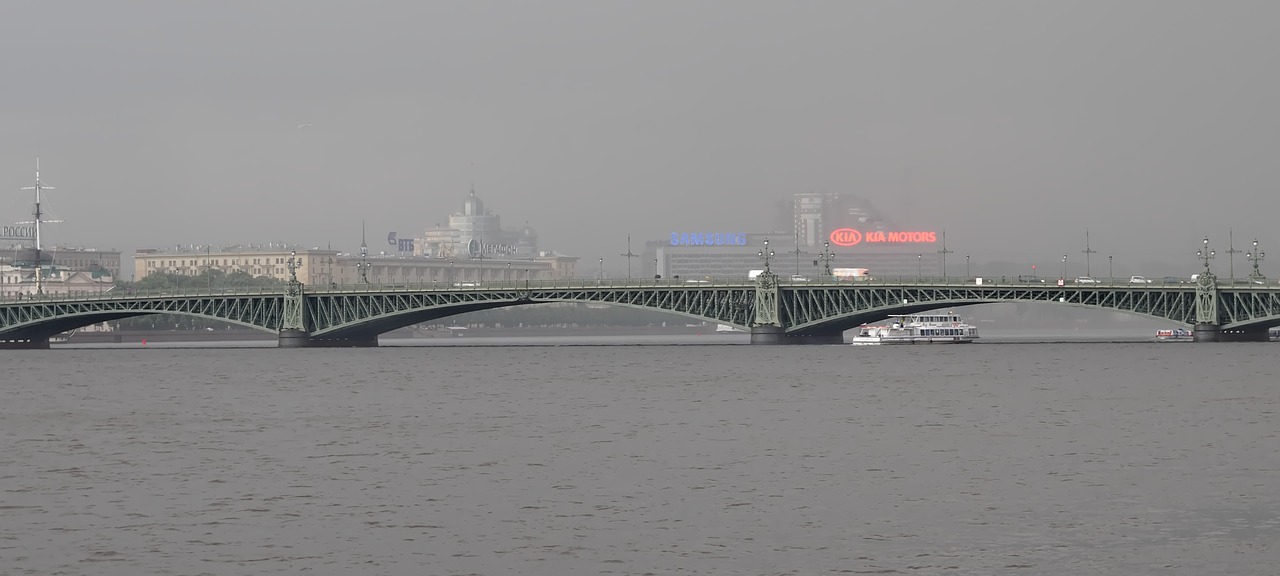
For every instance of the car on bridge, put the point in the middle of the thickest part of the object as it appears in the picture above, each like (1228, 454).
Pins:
(1030, 279)
(1138, 280)
(1086, 280)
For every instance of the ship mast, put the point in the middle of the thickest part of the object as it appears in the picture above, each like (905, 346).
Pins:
(39, 217)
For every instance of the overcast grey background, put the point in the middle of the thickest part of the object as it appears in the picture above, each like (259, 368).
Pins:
(1013, 125)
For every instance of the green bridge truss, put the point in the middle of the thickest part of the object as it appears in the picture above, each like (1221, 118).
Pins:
(791, 312)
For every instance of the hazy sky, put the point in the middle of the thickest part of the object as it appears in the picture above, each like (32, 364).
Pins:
(1014, 125)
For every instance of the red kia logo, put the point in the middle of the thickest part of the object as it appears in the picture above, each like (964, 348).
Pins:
(845, 237)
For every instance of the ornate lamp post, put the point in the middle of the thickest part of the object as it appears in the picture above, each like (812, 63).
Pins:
(293, 263)
(1255, 256)
(1205, 255)
(826, 257)
(767, 255)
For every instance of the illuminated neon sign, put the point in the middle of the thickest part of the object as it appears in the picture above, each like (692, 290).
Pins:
(851, 237)
(707, 239)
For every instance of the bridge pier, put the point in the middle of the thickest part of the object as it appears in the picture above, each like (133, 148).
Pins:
(34, 344)
(778, 335)
(1243, 335)
(1205, 332)
(293, 339)
(301, 339)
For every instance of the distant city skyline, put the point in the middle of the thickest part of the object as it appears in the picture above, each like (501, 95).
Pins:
(1013, 126)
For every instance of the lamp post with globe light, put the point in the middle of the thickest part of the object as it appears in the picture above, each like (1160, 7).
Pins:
(1255, 257)
(767, 254)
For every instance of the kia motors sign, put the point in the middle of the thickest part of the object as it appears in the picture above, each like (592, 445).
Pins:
(846, 237)
(851, 237)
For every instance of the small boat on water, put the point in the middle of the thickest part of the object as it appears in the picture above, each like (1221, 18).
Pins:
(64, 337)
(1174, 335)
(946, 328)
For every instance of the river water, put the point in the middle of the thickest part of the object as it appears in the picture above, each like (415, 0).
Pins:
(677, 457)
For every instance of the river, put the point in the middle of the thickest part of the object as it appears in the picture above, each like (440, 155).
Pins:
(684, 455)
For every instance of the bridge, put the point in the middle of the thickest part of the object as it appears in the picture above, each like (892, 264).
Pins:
(773, 310)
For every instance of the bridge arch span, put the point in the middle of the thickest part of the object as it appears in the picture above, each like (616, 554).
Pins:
(326, 322)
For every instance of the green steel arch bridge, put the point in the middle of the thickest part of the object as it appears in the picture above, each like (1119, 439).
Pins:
(775, 311)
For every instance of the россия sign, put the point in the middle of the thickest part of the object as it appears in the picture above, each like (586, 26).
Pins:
(17, 232)
(851, 237)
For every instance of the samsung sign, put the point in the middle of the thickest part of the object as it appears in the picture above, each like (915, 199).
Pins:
(17, 232)
(707, 239)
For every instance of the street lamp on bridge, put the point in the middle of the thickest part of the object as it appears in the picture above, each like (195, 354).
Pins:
(600, 278)
(1255, 256)
(919, 267)
(767, 254)
(1205, 255)
(1064, 268)
(293, 263)
(826, 257)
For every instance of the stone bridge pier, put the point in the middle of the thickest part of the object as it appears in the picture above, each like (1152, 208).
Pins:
(294, 338)
(1214, 333)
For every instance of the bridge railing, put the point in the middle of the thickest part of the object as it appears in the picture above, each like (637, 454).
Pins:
(623, 283)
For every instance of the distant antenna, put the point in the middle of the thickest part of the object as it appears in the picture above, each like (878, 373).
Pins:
(1230, 252)
(38, 214)
(1087, 252)
(628, 255)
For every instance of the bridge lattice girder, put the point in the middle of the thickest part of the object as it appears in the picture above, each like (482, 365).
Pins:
(803, 308)
(823, 309)
(36, 319)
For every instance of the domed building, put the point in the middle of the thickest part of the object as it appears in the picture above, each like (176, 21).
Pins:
(476, 233)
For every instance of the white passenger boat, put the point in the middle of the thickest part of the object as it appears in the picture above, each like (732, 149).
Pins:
(946, 328)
